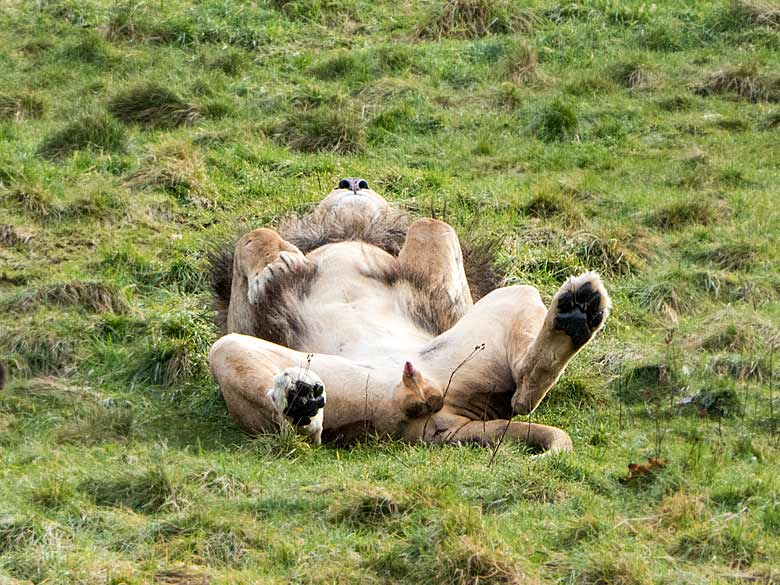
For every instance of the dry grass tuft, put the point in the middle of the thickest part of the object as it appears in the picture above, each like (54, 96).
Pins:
(34, 350)
(20, 107)
(682, 213)
(741, 368)
(319, 130)
(772, 121)
(152, 105)
(669, 295)
(745, 81)
(147, 491)
(34, 200)
(102, 422)
(632, 75)
(10, 236)
(682, 509)
(606, 253)
(95, 296)
(367, 506)
(520, 64)
(731, 255)
(176, 168)
(757, 12)
(612, 570)
(468, 562)
(471, 19)
(550, 202)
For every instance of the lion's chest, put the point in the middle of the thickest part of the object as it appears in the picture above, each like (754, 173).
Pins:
(356, 316)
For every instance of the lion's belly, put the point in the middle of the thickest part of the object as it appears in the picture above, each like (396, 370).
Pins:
(353, 315)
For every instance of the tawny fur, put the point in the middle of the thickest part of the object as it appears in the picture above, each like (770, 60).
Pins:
(356, 313)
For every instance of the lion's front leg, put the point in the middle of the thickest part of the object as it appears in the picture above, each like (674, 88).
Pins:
(577, 312)
(263, 384)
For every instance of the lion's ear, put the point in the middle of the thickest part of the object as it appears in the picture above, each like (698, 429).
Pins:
(409, 373)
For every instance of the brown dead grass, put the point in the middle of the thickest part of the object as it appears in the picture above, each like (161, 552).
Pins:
(10, 236)
(744, 81)
(94, 296)
(757, 12)
(176, 168)
(20, 107)
(471, 19)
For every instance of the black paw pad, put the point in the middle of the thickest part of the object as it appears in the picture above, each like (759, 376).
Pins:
(579, 314)
(304, 400)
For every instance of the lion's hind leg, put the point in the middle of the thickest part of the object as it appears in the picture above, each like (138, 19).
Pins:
(577, 312)
(431, 262)
(488, 433)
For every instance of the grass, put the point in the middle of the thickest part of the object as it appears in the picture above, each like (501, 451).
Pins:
(469, 19)
(152, 105)
(98, 133)
(633, 139)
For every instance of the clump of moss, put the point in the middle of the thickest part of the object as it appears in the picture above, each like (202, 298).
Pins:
(321, 130)
(97, 132)
(152, 105)
(471, 19)
(555, 122)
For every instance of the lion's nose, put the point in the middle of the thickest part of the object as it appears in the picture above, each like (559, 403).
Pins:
(353, 184)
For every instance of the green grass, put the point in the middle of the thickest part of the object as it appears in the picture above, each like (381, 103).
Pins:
(633, 138)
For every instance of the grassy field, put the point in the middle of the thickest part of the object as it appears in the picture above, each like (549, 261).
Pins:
(638, 139)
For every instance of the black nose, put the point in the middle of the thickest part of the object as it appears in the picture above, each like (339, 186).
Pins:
(353, 184)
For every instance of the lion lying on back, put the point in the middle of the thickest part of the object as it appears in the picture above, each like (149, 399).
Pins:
(349, 322)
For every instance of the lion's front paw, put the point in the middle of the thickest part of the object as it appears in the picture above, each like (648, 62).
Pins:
(286, 263)
(582, 306)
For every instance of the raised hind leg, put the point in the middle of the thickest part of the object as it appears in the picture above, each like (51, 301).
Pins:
(506, 353)
(577, 312)
(430, 273)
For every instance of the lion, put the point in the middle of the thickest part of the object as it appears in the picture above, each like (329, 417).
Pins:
(350, 322)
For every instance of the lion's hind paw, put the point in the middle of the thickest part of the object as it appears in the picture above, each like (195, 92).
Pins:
(582, 306)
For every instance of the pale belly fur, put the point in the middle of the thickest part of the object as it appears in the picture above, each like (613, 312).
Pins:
(354, 316)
